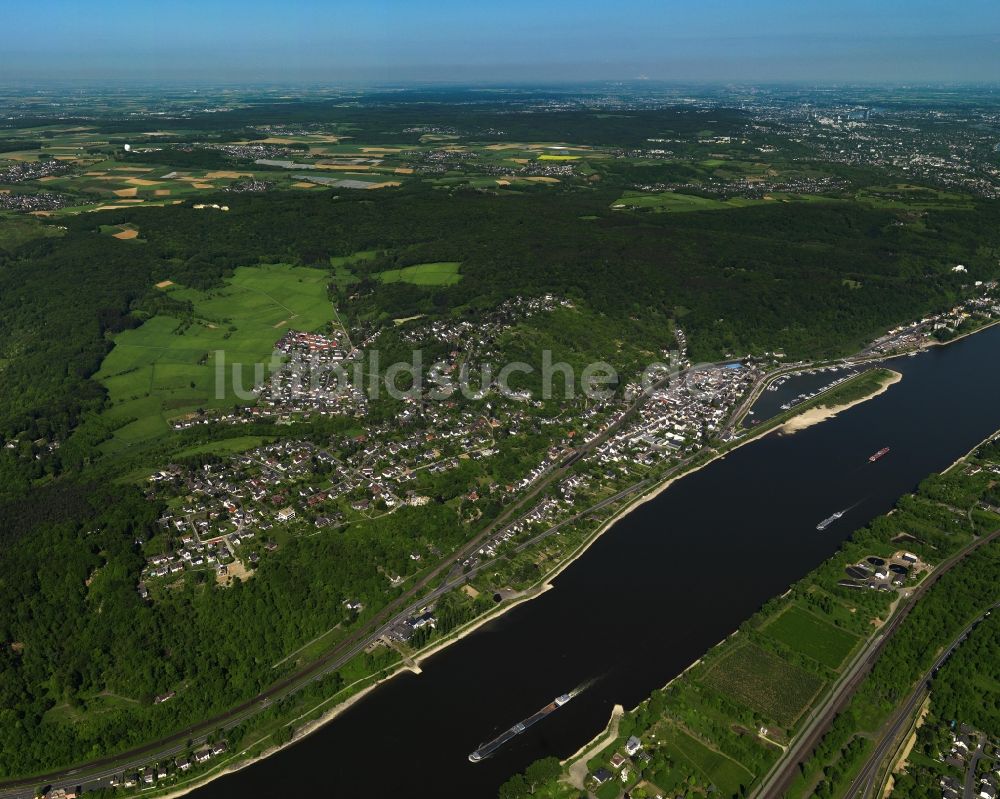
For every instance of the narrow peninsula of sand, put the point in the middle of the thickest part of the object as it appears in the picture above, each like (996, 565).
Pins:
(823, 412)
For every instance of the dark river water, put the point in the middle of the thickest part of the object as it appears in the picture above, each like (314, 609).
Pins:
(649, 597)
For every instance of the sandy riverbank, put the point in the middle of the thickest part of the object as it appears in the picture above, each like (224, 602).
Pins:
(821, 413)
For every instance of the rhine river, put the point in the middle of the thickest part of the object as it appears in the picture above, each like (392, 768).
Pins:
(655, 592)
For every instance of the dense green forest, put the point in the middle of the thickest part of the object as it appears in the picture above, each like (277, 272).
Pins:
(377, 117)
(813, 279)
(965, 694)
(967, 687)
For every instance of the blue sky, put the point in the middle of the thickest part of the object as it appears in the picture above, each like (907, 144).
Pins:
(389, 40)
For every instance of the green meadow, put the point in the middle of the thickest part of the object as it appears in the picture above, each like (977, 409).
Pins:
(442, 273)
(915, 198)
(670, 201)
(166, 367)
(717, 769)
(674, 201)
(16, 229)
(805, 632)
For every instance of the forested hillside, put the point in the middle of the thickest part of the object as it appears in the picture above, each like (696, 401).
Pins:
(812, 279)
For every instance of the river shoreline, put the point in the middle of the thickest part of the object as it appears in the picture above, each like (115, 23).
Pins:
(304, 731)
(821, 413)
(625, 566)
(542, 586)
(937, 343)
(603, 733)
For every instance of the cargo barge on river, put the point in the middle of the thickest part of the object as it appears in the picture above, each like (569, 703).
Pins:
(487, 749)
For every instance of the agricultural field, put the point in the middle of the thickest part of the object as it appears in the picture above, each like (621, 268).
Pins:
(442, 273)
(224, 446)
(917, 198)
(764, 682)
(121, 232)
(114, 184)
(344, 180)
(166, 367)
(172, 165)
(804, 632)
(716, 768)
(671, 201)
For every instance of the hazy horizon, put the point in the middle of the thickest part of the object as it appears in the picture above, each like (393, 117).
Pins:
(517, 42)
